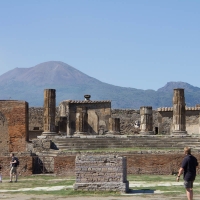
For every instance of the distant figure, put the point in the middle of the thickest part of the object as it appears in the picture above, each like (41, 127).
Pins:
(137, 124)
(188, 167)
(13, 170)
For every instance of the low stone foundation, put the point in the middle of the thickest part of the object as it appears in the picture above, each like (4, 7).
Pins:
(101, 173)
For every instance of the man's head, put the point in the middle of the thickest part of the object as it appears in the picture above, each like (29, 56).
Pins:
(187, 150)
(12, 155)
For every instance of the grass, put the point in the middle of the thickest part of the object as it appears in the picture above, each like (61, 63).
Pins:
(146, 183)
(170, 190)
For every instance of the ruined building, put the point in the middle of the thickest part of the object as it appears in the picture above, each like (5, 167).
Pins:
(19, 123)
(88, 117)
(88, 124)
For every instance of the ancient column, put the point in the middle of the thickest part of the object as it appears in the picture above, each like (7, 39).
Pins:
(146, 124)
(81, 120)
(179, 123)
(114, 125)
(49, 112)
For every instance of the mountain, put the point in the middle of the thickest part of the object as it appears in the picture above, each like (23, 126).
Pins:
(29, 83)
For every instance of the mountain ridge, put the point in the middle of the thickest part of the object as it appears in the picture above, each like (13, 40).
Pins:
(28, 84)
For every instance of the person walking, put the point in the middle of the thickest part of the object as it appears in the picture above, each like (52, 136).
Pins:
(188, 169)
(13, 170)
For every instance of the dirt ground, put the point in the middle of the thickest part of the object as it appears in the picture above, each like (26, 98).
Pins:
(126, 197)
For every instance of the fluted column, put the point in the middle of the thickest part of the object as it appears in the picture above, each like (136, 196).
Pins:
(114, 125)
(49, 111)
(81, 120)
(179, 123)
(146, 124)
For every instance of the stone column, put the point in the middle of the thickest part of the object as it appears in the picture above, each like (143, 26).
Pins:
(81, 120)
(114, 125)
(49, 112)
(179, 123)
(146, 124)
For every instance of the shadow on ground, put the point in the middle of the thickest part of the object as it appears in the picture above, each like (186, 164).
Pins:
(143, 191)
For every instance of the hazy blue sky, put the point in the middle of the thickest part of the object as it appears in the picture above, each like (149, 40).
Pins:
(140, 44)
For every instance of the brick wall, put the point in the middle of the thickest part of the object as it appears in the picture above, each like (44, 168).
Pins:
(137, 163)
(13, 126)
(147, 163)
(64, 165)
(25, 168)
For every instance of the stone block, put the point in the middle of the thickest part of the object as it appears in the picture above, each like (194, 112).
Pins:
(101, 172)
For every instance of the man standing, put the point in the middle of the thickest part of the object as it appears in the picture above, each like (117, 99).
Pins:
(13, 170)
(188, 167)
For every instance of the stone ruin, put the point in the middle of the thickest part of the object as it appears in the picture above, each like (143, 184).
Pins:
(101, 173)
(89, 118)
(78, 117)
(96, 118)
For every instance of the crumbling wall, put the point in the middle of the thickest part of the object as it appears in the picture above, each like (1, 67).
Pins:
(13, 126)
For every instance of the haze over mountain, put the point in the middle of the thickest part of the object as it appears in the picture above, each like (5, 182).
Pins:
(28, 84)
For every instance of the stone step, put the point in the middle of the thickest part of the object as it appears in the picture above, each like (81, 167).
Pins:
(94, 142)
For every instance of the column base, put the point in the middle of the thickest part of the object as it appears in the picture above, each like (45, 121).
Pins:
(112, 133)
(81, 133)
(146, 133)
(179, 133)
(49, 134)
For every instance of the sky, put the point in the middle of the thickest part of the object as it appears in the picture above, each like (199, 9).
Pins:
(139, 44)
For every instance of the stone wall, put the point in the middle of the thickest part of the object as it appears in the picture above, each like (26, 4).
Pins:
(165, 120)
(13, 126)
(36, 118)
(128, 118)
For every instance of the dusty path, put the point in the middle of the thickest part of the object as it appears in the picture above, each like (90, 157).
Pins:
(131, 197)
(45, 197)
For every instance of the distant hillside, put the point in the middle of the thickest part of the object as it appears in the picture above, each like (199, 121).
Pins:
(29, 83)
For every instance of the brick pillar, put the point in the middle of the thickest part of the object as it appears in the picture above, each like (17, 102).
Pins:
(49, 112)
(179, 123)
(146, 124)
(114, 125)
(81, 120)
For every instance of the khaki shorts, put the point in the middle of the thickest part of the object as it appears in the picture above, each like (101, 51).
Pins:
(13, 170)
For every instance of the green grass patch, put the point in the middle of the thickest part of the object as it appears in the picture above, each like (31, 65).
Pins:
(145, 182)
(71, 192)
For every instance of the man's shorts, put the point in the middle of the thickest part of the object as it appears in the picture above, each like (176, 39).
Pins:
(13, 170)
(188, 184)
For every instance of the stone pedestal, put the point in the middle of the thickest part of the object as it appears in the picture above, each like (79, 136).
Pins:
(101, 173)
(49, 112)
(146, 124)
(179, 122)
